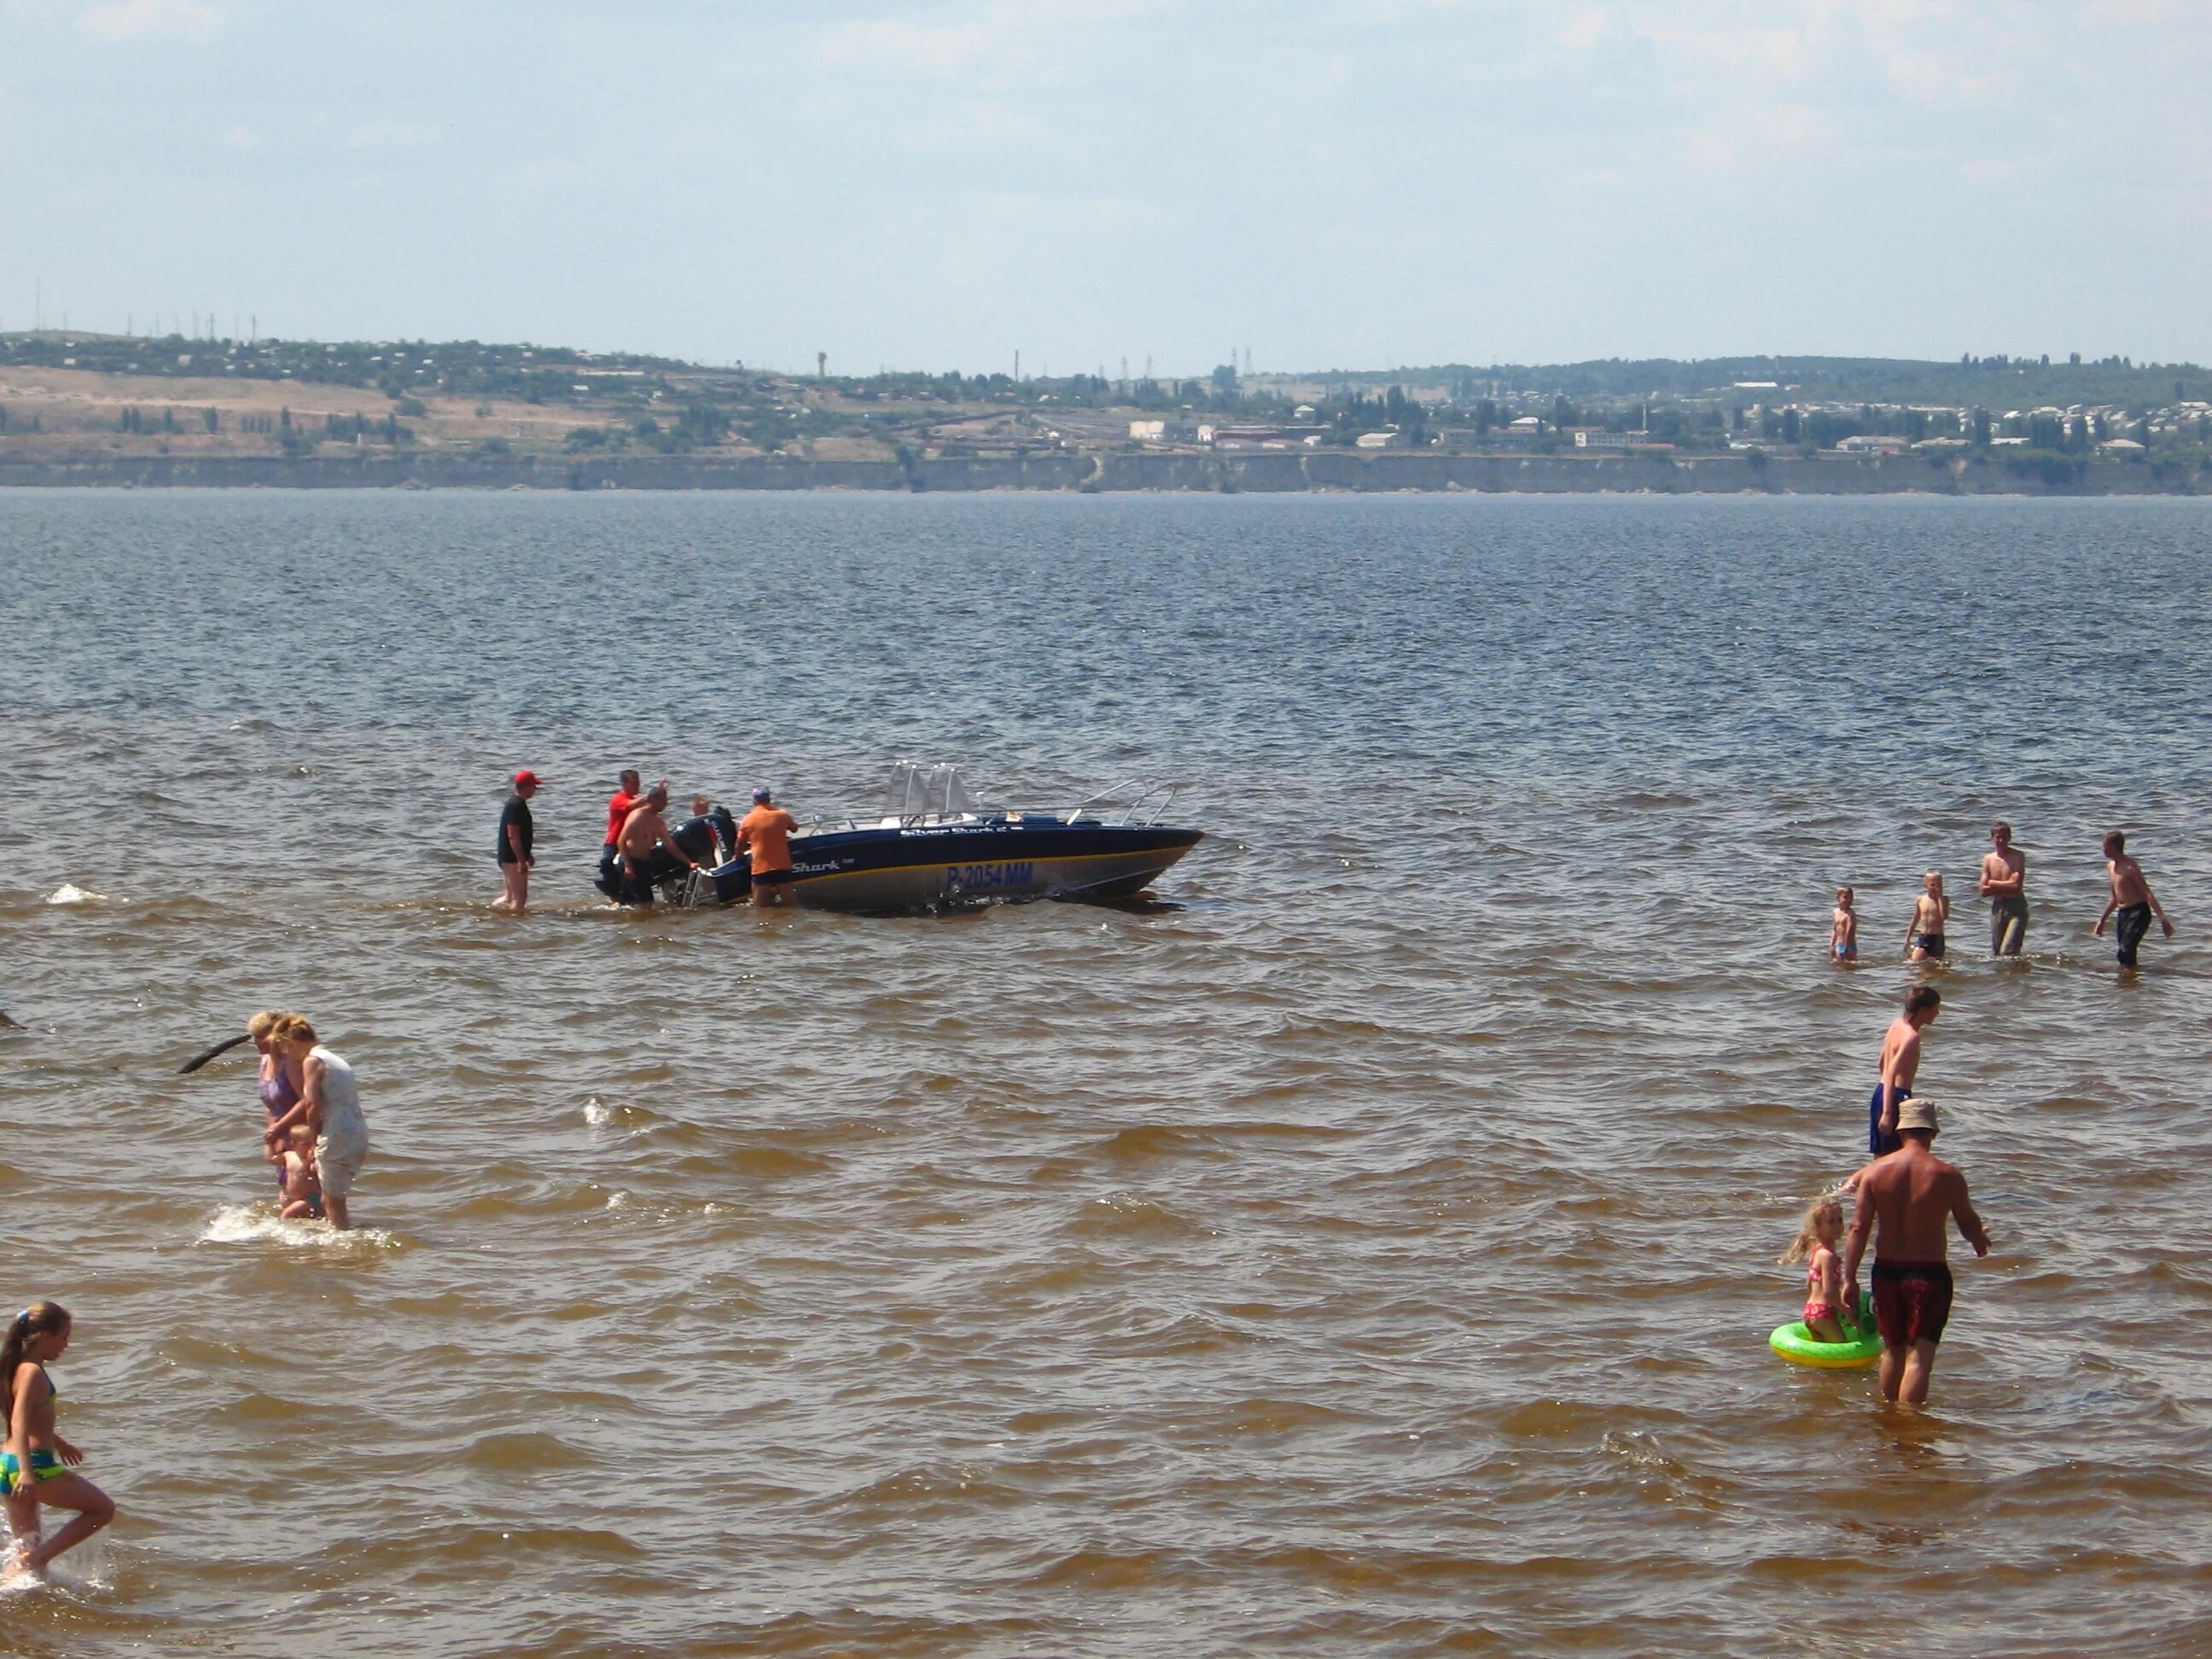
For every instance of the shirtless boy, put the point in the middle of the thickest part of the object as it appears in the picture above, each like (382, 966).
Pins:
(644, 830)
(2004, 884)
(2131, 898)
(1900, 1066)
(1906, 1203)
(1923, 937)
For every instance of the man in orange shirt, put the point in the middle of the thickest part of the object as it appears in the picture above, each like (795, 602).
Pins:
(766, 831)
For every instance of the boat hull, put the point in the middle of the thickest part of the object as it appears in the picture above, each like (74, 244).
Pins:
(889, 870)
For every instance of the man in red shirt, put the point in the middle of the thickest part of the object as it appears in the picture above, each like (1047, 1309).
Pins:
(766, 831)
(620, 805)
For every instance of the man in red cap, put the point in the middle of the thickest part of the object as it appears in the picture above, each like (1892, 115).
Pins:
(516, 836)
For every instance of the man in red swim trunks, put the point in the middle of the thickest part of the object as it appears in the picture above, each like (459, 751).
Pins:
(1911, 1196)
(766, 833)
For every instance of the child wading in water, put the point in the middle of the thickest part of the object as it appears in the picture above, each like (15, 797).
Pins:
(31, 1469)
(1923, 938)
(1826, 1317)
(1844, 927)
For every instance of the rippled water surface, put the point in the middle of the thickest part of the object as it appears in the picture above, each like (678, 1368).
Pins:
(1367, 1250)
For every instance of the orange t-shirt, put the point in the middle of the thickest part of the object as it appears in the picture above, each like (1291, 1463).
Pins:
(767, 830)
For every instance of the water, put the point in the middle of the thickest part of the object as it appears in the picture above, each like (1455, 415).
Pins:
(1367, 1251)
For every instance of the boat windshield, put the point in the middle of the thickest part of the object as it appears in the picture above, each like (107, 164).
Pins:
(927, 792)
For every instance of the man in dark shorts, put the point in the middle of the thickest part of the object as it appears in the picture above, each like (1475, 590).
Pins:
(2131, 898)
(1900, 1066)
(517, 836)
(643, 834)
(766, 833)
(1906, 1203)
(620, 806)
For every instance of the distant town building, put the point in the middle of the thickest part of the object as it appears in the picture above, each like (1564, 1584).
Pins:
(1380, 440)
(1596, 437)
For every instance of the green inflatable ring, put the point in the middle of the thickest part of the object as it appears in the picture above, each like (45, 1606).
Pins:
(1800, 1347)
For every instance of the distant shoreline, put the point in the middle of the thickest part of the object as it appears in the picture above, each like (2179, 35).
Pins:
(1179, 472)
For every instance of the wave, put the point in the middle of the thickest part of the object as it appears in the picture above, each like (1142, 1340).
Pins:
(70, 893)
(257, 1223)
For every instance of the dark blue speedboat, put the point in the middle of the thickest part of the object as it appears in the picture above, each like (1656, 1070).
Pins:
(934, 848)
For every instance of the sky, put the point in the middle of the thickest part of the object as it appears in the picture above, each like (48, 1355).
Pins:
(1096, 182)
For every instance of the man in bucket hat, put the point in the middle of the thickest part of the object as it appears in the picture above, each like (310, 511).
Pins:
(1906, 1201)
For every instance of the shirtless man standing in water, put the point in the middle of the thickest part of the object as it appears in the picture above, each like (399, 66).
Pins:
(1912, 1196)
(644, 830)
(1900, 1066)
(2004, 884)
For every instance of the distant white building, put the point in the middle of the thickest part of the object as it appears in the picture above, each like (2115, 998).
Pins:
(1380, 440)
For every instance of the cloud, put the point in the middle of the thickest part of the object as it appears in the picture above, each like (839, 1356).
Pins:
(241, 138)
(151, 19)
(391, 135)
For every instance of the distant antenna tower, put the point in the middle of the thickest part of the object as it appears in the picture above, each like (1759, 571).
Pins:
(1125, 369)
(821, 365)
(1148, 365)
(1018, 368)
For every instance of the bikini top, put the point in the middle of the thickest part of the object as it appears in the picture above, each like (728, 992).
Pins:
(1813, 1267)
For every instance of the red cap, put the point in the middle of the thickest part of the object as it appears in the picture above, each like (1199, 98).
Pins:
(525, 777)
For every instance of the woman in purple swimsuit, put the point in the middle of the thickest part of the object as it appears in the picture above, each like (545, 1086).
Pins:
(280, 1081)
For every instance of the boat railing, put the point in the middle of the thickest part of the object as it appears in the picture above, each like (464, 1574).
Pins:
(1133, 796)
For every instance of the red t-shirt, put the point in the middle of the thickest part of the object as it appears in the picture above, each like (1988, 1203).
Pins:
(767, 830)
(620, 805)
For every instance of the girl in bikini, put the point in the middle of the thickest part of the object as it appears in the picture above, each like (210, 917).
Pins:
(1815, 1246)
(36, 1466)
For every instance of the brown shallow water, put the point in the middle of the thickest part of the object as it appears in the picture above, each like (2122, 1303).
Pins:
(1367, 1250)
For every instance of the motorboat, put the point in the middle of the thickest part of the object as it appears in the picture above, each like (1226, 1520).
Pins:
(934, 848)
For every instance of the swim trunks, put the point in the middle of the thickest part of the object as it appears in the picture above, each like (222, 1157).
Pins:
(2131, 924)
(1931, 943)
(1879, 1144)
(772, 877)
(636, 884)
(1847, 953)
(45, 1465)
(1912, 1301)
(2007, 925)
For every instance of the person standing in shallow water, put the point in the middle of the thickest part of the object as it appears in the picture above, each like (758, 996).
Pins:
(2131, 898)
(629, 791)
(766, 833)
(1900, 1066)
(2004, 883)
(1906, 1203)
(517, 836)
(38, 1466)
(1931, 911)
(279, 1083)
(329, 1105)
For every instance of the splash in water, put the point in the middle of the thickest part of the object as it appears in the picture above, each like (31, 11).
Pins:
(70, 893)
(257, 1223)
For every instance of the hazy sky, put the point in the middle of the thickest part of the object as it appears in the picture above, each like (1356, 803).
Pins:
(926, 185)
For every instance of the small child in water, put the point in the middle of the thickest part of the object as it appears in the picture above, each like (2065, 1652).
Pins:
(1815, 1246)
(298, 1161)
(1923, 938)
(1844, 927)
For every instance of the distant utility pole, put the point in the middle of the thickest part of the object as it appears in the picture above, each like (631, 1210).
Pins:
(1017, 367)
